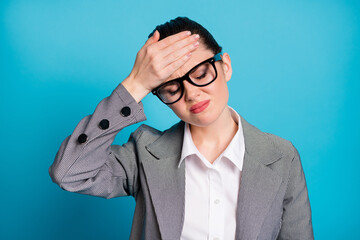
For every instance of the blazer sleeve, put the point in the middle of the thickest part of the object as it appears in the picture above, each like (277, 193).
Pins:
(296, 220)
(87, 163)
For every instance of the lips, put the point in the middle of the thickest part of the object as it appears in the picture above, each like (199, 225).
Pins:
(199, 107)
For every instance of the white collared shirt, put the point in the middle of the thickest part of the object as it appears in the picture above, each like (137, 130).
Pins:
(211, 190)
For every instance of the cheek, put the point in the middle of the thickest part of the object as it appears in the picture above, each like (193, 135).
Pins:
(219, 90)
(178, 108)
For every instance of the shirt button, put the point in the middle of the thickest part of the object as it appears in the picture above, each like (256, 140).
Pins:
(217, 201)
(125, 111)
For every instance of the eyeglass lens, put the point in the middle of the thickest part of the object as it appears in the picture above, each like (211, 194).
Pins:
(202, 75)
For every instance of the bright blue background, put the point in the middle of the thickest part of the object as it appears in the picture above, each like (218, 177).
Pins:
(296, 72)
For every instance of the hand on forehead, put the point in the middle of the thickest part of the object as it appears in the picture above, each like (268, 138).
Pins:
(200, 54)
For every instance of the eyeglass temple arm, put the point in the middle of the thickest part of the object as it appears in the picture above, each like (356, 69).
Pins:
(217, 57)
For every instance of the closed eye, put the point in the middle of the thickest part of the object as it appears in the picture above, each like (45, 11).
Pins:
(172, 92)
(202, 76)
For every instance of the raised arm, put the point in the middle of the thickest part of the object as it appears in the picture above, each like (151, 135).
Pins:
(86, 162)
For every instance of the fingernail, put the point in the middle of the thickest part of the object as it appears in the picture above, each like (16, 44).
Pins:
(188, 33)
(196, 36)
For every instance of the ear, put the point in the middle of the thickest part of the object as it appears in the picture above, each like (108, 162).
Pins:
(226, 65)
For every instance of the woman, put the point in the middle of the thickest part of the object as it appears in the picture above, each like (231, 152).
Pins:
(210, 176)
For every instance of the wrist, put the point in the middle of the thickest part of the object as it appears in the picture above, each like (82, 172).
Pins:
(137, 91)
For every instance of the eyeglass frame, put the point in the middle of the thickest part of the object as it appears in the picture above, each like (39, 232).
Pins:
(180, 80)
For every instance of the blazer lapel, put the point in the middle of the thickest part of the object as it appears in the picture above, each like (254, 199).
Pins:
(166, 181)
(259, 184)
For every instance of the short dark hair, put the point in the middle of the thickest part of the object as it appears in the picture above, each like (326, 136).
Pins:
(180, 24)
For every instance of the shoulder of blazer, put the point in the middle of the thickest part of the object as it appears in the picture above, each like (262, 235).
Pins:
(283, 145)
(147, 134)
(259, 141)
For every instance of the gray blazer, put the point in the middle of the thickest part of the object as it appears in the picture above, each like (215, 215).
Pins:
(273, 199)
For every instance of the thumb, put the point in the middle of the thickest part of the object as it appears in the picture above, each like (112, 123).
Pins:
(154, 38)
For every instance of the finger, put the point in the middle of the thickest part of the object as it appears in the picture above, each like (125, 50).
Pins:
(152, 48)
(154, 38)
(186, 43)
(172, 39)
(179, 53)
(172, 67)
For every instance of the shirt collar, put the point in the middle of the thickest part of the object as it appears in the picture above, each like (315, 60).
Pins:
(234, 152)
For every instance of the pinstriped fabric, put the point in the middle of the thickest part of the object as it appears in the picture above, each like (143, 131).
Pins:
(90, 168)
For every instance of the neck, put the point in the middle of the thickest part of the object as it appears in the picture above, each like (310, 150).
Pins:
(216, 135)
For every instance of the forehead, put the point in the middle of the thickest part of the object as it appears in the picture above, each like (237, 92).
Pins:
(199, 55)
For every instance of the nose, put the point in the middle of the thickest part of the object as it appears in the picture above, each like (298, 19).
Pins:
(191, 92)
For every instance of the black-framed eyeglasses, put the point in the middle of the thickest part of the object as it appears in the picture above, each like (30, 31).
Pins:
(201, 75)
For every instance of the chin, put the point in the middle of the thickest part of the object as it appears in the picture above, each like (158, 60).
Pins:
(201, 121)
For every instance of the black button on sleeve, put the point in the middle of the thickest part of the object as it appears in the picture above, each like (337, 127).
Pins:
(82, 138)
(104, 124)
(125, 111)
